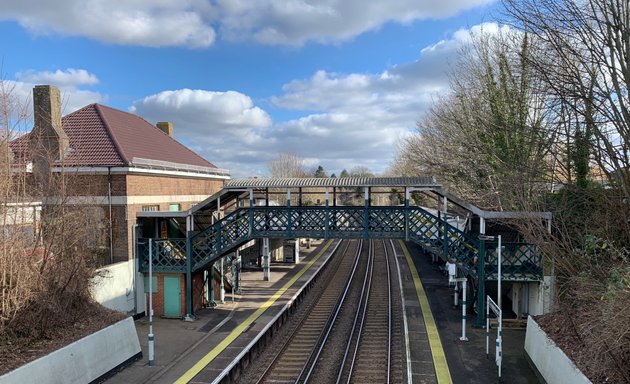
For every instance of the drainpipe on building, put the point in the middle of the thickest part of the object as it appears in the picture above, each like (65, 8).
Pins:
(134, 253)
(109, 202)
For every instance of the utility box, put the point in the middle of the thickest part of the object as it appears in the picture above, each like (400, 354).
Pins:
(452, 271)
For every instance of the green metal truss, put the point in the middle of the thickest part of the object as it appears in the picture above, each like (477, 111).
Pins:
(521, 262)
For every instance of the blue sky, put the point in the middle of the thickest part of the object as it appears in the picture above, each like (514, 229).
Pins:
(337, 82)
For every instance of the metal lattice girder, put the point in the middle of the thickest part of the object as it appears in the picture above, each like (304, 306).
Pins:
(169, 255)
(520, 262)
(386, 222)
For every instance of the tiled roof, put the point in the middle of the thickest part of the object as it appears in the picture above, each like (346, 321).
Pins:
(90, 139)
(104, 136)
(333, 182)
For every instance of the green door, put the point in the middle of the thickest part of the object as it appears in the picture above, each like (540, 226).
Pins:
(171, 296)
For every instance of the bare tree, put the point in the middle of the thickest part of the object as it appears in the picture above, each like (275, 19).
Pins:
(487, 136)
(46, 261)
(585, 61)
(287, 165)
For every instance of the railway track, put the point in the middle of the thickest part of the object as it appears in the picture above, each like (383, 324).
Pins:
(353, 332)
(291, 360)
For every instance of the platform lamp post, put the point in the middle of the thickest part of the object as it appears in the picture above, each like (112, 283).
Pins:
(151, 336)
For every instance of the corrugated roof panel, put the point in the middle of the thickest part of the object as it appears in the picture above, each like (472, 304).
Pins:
(333, 182)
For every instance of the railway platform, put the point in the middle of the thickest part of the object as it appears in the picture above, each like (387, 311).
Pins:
(198, 351)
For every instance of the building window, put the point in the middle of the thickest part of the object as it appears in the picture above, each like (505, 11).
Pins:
(150, 208)
(174, 207)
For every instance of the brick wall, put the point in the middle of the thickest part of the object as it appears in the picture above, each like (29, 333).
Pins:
(158, 297)
(138, 185)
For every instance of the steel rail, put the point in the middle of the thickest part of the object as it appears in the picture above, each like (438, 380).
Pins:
(361, 311)
(291, 336)
(303, 377)
(389, 321)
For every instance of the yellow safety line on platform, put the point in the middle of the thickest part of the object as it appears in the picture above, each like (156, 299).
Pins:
(204, 361)
(442, 372)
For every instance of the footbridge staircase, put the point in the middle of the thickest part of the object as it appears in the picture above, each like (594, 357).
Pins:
(244, 211)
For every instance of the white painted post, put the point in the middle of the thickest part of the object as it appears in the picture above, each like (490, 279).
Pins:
(297, 251)
(456, 295)
(464, 338)
(266, 259)
(222, 285)
(487, 328)
(151, 335)
(498, 352)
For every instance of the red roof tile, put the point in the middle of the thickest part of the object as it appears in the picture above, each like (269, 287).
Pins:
(103, 136)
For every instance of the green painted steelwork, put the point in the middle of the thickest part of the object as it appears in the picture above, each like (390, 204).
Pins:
(200, 250)
(521, 262)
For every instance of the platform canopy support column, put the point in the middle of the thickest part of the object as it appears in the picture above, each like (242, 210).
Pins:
(266, 259)
(189, 232)
(406, 214)
(211, 302)
(327, 224)
(222, 284)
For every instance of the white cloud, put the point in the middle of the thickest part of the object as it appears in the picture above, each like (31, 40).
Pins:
(69, 78)
(69, 81)
(298, 21)
(193, 23)
(204, 112)
(358, 120)
(137, 22)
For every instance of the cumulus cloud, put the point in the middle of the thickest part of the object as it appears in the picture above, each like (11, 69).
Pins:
(67, 78)
(298, 21)
(139, 22)
(194, 23)
(204, 112)
(71, 82)
(353, 119)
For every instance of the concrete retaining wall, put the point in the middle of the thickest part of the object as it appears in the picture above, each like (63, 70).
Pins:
(83, 361)
(550, 361)
(120, 287)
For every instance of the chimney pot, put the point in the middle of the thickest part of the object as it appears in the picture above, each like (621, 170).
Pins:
(166, 127)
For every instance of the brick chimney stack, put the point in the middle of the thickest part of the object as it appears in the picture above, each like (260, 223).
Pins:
(166, 127)
(48, 141)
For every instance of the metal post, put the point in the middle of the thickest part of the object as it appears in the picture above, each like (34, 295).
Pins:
(366, 213)
(406, 214)
(500, 332)
(289, 214)
(266, 259)
(251, 212)
(464, 298)
(222, 285)
(233, 278)
(445, 237)
(212, 303)
(189, 296)
(487, 330)
(481, 278)
(151, 335)
(456, 295)
(499, 274)
(327, 223)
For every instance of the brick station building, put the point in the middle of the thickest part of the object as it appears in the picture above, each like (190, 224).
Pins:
(117, 164)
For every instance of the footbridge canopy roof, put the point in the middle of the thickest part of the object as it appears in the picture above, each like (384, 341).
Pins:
(323, 182)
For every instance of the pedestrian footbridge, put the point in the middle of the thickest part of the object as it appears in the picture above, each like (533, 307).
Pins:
(415, 209)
